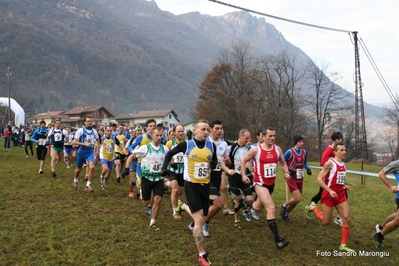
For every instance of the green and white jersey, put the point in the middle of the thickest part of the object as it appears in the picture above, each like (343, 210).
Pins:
(151, 160)
(177, 159)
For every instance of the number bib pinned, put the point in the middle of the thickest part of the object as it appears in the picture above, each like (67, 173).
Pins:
(201, 170)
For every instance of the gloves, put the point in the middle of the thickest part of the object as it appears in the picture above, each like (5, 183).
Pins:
(174, 166)
(309, 171)
(292, 172)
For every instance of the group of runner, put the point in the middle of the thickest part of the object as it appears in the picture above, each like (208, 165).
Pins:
(203, 166)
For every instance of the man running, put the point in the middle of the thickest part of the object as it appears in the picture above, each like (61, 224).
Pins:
(296, 159)
(40, 136)
(267, 156)
(176, 168)
(87, 140)
(392, 221)
(199, 158)
(152, 157)
(57, 137)
(328, 153)
(332, 180)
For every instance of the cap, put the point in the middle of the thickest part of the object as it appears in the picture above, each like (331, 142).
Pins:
(297, 138)
(138, 128)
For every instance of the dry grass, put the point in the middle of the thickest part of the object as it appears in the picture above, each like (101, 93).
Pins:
(45, 222)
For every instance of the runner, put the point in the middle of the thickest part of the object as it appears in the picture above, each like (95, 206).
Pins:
(87, 140)
(392, 221)
(199, 158)
(267, 156)
(332, 180)
(176, 168)
(152, 157)
(296, 159)
(57, 137)
(40, 136)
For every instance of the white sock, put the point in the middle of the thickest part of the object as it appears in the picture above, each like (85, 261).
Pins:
(88, 183)
(152, 222)
(75, 180)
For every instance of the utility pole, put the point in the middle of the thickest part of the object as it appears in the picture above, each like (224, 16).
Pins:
(8, 74)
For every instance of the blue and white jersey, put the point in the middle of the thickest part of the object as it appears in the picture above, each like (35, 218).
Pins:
(39, 136)
(86, 136)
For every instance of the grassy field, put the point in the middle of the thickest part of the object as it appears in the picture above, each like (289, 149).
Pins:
(43, 221)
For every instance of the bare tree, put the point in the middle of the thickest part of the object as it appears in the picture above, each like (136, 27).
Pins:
(326, 98)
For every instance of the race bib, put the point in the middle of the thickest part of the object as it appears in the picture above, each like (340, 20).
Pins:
(155, 167)
(300, 173)
(201, 170)
(90, 139)
(237, 166)
(178, 158)
(27, 138)
(57, 137)
(41, 142)
(108, 148)
(218, 166)
(341, 178)
(270, 170)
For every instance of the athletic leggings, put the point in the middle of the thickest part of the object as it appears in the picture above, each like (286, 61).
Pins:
(28, 144)
(316, 198)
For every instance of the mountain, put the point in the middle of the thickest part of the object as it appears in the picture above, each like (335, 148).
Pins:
(124, 55)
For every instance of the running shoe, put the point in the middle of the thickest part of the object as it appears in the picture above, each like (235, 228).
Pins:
(118, 179)
(149, 211)
(282, 243)
(178, 208)
(237, 225)
(131, 194)
(283, 210)
(378, 241)
(226, 211)
(89, 188)
(205, 229)
(75, 185)
(190, 226)
(346, 248)
(203, 260)
(309, 215)
(68, 167)
(176, 216)
(102, 186)
(27, 156)
(377, 228)
(286, 218)
(40, 171)
(245, 214)
(338, 221)
(53, 174)
(154, 227)
(255, 214)
(309, 208)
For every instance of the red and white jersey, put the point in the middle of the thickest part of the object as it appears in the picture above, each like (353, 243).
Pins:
(297, 162)
(265, 165)
(335, 179)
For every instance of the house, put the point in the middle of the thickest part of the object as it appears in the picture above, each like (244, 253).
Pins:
(76, 115)
(125, 118)
(167, 117)
(48, 117)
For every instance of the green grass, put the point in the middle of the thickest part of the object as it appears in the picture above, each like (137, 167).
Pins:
(43, 221)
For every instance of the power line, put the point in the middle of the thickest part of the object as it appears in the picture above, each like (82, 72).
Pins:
(280, 18)
(377, 71)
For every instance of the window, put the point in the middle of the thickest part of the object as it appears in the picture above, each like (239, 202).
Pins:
(170, 116)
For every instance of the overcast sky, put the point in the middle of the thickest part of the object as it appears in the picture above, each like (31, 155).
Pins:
(376, 22)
